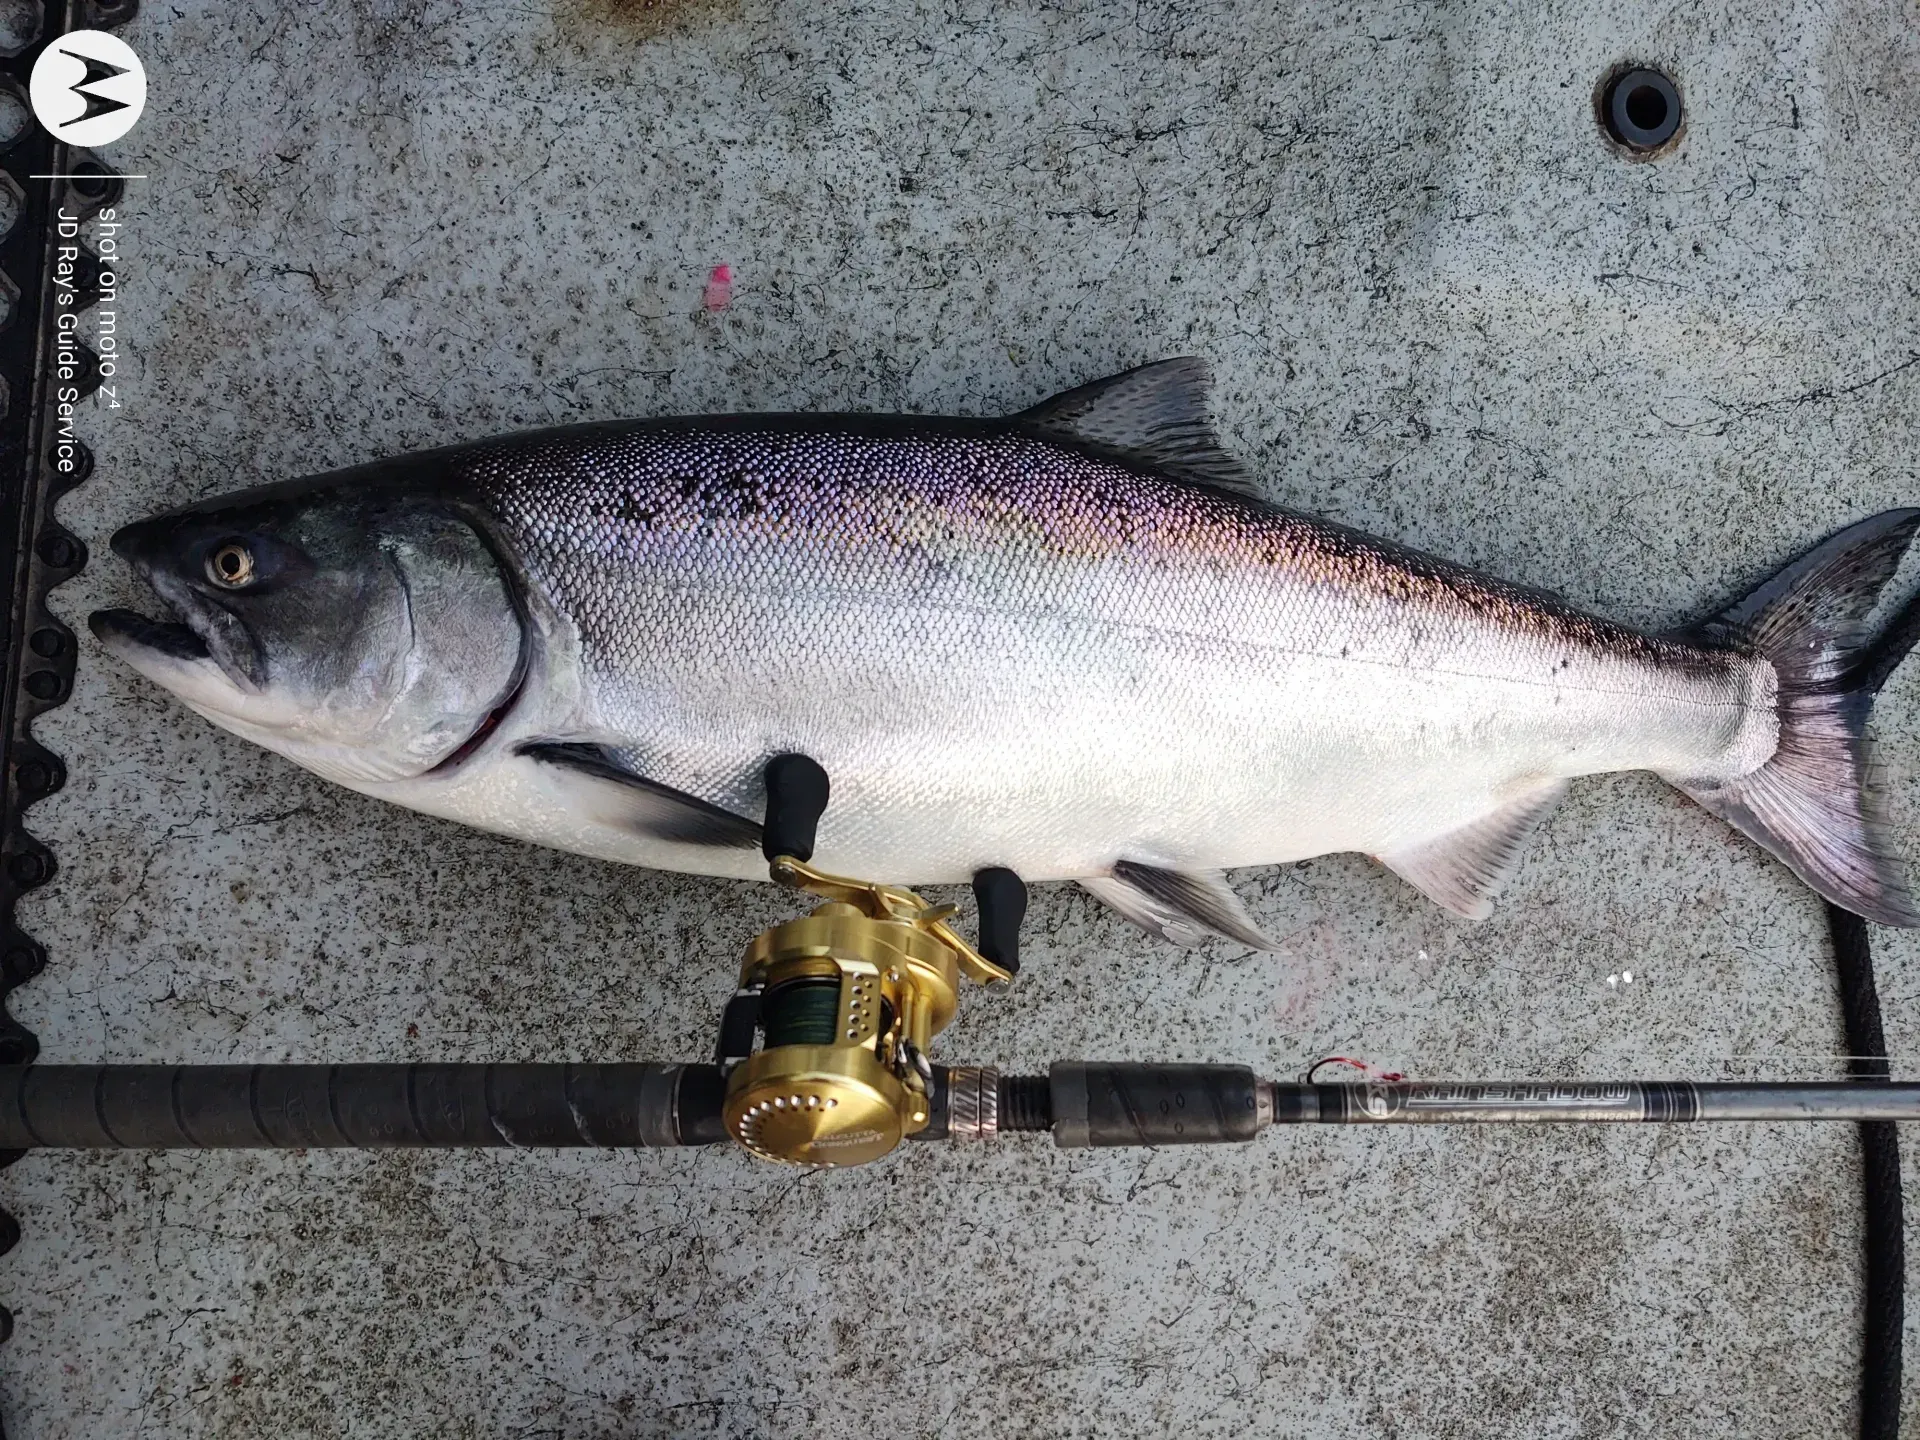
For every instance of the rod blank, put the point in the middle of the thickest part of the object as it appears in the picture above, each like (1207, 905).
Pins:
(1482, 1102)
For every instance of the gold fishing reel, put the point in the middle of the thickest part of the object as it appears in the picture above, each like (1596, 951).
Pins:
(846, 1001)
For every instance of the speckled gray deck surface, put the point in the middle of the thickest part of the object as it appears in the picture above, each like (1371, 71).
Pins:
(1441, 309)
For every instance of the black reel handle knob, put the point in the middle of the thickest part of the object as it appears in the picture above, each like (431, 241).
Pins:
(1002, 898)
(797, 793)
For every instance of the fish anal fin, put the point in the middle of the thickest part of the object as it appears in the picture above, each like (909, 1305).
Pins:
(1183, 907)
(605, 786)
(1464, 869)
(1157, 415)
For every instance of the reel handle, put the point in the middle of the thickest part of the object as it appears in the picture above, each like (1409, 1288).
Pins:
(1002, 898)
(797, 794)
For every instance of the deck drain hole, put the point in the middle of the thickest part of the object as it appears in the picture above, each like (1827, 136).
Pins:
(1641, 109)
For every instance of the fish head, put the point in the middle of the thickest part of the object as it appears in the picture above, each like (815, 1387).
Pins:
(367, 634)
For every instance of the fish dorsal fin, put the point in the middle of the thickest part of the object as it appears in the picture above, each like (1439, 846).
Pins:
(600, 782)
(1464, 869)
(1156, 415)
(1181, 906)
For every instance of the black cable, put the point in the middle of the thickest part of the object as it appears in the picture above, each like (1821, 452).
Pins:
(1884, 1326)
(1886, 1253)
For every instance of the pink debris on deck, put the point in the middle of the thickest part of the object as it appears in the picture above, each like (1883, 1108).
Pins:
(719, 291)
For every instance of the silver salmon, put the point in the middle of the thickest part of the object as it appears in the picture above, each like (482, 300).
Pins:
(1072, 642)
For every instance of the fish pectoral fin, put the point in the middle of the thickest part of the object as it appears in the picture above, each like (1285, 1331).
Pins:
(1157, 415)
(1181, 906)
(1464, 869)
(601, 783)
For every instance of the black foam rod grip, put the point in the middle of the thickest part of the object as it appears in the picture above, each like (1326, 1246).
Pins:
(233, 1107)
(797, 792)
(1002, 898)
(1100, 1105)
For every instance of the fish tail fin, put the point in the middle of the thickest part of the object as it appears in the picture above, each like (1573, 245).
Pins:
(1819, 804)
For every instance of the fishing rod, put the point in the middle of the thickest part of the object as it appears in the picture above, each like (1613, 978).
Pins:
(822, 1060)
(816, 1122)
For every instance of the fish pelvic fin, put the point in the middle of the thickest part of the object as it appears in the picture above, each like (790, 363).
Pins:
(1819, 804)
(1464, 869)
(1183, 907)
(1157, 415)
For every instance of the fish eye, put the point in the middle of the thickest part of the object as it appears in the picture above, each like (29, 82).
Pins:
(230, 566)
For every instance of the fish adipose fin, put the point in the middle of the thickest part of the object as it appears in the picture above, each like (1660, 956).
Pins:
(1180, 906)
(1157, 415)
(1464, 869)
(605, 787)
(1818, 804)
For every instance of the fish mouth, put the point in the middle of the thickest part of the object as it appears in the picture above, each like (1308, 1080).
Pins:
(206, 657)
(118, 628)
